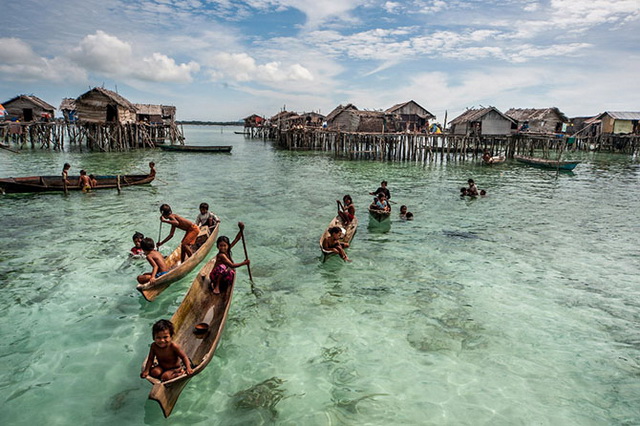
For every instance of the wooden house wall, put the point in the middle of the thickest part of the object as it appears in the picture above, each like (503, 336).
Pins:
(495, 124)
(345, 121)
(16, 110)
(93, 108)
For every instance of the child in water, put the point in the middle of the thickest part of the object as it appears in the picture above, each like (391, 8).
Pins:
(224, 268)
(159, 267)
(167, 353)
(136, 250)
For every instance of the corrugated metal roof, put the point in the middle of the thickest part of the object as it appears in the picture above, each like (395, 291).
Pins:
(623, 115)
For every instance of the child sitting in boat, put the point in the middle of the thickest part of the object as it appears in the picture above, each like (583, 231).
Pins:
(93, 181)
(346, 211)
(159, 266)
(167, 353)
(136, 250)
(382, 203)
(152, 169)
(176, 221)
(206, 217)
(84, 181)
(224, 269)
(332, 243)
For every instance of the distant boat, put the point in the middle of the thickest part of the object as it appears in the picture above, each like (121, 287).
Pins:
(241, 133)
(194, 148)
(55, 184)
(546, 163)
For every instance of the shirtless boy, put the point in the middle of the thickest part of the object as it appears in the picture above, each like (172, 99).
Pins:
(84, 182)
(191, 230)
(332, 243)
(167, 353)
(154, 257)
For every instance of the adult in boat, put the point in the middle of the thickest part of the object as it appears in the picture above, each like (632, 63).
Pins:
(383, 188)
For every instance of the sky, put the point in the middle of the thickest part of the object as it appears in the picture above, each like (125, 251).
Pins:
(223, 60)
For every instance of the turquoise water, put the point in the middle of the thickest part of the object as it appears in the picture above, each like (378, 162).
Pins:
(521, 308)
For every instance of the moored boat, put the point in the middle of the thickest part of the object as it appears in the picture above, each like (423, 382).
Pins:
(347, 234)
(204, 242)
(195, 148)
(547, 163)
(199, 306)
(55, 184)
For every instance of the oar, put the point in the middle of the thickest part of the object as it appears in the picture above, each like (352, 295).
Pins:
(159, 234)
(256, 292)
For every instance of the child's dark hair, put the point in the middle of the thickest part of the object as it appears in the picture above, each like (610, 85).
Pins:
(138, 235)
(204, 206)
(66, 166)
(83, 172)
(335, 229)
(162, 325)
(165, 209)
(347, 197)
(226, 240)
(147, 244)
(409, 215)
(470, 181)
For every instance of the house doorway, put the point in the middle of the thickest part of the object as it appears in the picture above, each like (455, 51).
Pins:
(112, 113)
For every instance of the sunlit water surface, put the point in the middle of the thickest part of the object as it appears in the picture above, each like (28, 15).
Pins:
(521, 308)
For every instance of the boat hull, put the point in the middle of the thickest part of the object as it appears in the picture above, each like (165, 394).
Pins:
(349, 233)
(151, 291)
(547, 164)
(199, 305)
(55, 184)
(193, 148)
(379, 215)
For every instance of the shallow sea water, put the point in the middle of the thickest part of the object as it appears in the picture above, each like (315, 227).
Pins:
(520, 308)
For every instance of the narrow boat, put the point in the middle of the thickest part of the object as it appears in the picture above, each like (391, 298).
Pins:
(54, 183)
(546, 163)
(199, 306)
(378, 214)
(195, 148)
(204, 242)
(241, 133)
(348, 232)
(494, 160)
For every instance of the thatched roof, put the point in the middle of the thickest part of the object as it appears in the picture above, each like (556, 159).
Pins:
(475, 114)
(282, 115)
(423, 113)
(68, 104)
(535, 114)
(337, 110)
(33, 99)
(115, 97)
(148, 109)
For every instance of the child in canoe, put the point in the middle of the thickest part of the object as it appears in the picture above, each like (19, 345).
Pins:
(346, 211)
(84, 181)
(155, 259)
(167, 353)
(224, 269)
(191, 230)
(332, 243)
(206, 217)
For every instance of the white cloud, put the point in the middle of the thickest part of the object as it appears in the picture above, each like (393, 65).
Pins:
(242, 67)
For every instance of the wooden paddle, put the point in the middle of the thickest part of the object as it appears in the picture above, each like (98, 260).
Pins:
(256, 292)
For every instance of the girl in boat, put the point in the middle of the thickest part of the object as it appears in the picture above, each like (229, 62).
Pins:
(224, 269)
(346, 211)
(167, 353)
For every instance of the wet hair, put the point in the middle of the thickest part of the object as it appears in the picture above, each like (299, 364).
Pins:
(380, 195)
(92, 176)
(409, 215)
(204, 206)
(347, 197)
(470, 181)
(66, 166)
(151, 163)
(83, 172)
(483, 192)
(162, 325)
(384, 182)
(463, 190)
(137, 235)
(147, 244)
(335, 229)
(403, 207)
(226, 240)
(165, 209)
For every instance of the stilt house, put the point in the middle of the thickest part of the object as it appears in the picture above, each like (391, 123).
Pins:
(411, 116)
(68, 110)
(618, 122)
(28, 108)
(545, 120)
(483, 121)
(155, 114)
(254, 120)
(100, 105)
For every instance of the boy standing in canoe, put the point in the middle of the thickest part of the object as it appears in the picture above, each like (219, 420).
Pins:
(176, 221)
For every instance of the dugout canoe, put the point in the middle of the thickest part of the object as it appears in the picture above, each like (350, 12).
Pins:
(194, 148)
(378, 214)
(54, 183)
(204, 243)
(348, 233)
(199, 305)
(546, 163)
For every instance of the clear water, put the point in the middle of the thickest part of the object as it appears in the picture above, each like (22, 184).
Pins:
(521, 308)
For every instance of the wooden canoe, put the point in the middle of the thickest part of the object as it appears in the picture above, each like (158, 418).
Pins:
(546, 163)
(54, 183)
(377, 214)
(495, 160)
(203, 245)
(195, 148)
(347, 235)
(199, 305)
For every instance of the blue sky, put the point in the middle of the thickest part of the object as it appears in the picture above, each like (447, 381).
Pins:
(227, 59)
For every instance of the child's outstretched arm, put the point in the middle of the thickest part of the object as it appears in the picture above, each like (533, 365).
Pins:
(147, 367)
(239, 235)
